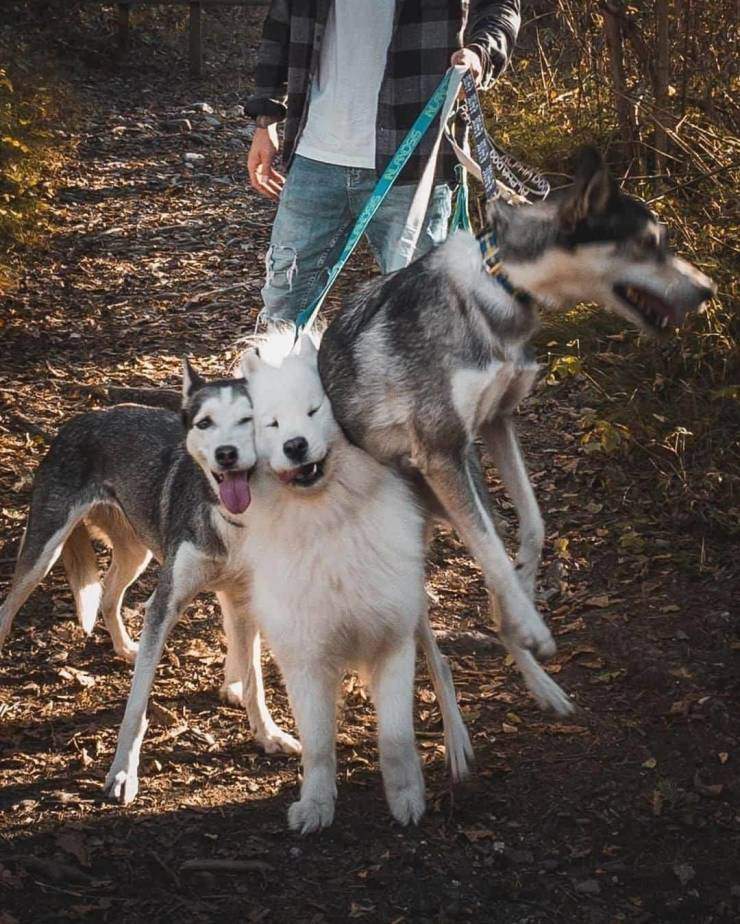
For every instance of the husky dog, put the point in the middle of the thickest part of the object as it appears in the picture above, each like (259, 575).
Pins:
(423, 361)
(336, 547)
(136, 479)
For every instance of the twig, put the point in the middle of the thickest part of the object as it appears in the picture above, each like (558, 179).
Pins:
(226, 866)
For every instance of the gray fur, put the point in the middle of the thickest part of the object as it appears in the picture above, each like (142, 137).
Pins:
(124, 475)
(422, 362)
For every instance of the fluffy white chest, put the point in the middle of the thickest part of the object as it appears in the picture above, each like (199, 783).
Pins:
(338, 583)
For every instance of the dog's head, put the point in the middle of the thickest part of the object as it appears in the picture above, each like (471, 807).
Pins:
(592, 243)
(219, 428)
(294, 425)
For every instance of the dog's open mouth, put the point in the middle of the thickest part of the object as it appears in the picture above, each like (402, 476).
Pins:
(653, 310)
(233, 489)
(305, 475)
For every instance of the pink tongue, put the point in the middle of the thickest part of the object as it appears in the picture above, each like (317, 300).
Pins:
(234, 492)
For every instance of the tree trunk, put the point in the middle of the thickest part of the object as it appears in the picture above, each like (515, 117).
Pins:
(661, 84)
(613, 12)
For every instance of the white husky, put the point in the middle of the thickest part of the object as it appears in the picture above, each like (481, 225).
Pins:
(336, 550)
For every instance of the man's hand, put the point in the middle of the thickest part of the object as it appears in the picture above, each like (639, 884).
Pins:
(470, 59)
(262, 175)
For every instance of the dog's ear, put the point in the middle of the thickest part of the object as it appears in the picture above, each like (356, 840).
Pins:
(191, 381)
(308, 347)
(593, 188)
(251, 361)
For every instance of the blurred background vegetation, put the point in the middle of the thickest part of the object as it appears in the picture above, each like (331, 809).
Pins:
(654, 85)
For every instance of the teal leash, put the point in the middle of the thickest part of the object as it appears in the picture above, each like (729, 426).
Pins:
(382, 187)
(460, 220)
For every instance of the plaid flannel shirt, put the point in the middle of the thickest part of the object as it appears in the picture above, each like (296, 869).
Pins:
(425, 35)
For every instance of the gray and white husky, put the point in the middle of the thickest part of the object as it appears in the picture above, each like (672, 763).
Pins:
(134, 478)
(423, 361)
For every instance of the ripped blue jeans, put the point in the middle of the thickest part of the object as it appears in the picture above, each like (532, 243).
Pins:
(318, 206)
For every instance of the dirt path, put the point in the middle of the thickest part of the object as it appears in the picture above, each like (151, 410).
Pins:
(628, 812)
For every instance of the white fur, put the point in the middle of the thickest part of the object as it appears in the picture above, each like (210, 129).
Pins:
(338, 582)
(232, 424)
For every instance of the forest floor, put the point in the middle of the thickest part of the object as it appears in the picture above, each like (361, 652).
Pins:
(628, 811)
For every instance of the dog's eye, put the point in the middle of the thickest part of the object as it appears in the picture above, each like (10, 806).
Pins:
(273, 424)
(245, 420)
(313, 411)
(204, 423)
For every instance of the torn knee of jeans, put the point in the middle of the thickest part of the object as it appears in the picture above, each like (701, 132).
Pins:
(281, 265)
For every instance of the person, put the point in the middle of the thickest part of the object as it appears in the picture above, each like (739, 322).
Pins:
(348, 78)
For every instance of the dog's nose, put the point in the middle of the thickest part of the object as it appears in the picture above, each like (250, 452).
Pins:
(706, 292)
(226, 456)
(296, 448)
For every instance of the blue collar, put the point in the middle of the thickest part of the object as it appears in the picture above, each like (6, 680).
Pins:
(493, 266)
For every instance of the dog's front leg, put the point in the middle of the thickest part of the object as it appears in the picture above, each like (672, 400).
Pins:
(458, 483)
(312, 690)
(243, 682)
(501, 441)
(176, 588)
(392, 688)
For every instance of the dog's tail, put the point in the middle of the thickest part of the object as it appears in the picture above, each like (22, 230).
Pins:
(81, 566)
(457, 741)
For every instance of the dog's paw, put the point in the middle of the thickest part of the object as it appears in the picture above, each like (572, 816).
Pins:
(121, 786)
(274, 740)
(407, 804)
(311, 814)
(128, 651)
(550, 696)
(527, 630)
(232, 693)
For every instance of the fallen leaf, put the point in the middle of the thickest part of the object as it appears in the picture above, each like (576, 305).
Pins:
(559, 729)
(707, 789)
(74, 842)
(684, 873)
(162, 716)
(478, 834)
(651, 763)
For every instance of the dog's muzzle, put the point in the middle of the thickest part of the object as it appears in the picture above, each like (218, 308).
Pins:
(304, 476)
(657, 313)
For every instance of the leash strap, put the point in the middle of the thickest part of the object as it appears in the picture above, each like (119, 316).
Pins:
(442, 98)
(524, 180)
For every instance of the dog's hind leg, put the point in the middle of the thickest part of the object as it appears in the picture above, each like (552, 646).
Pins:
(47, 531)
(458, 748)
(129, 558)
(392, 690)
(179, 581)
(128, 561)
(503, 445)
(312, 690)
(243, 682)
(81, 566)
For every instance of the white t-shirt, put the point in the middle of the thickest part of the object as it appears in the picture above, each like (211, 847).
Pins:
(343, 105)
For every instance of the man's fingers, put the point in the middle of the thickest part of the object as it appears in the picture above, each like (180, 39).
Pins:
(264, 178)
(266, 183)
